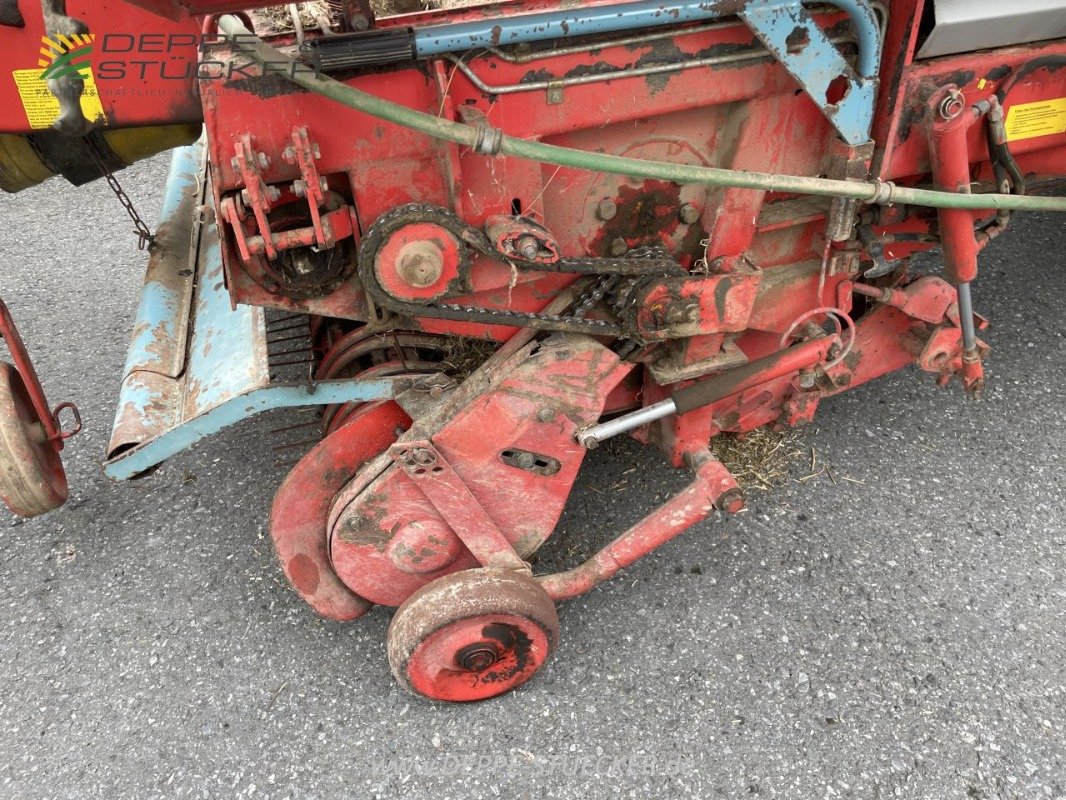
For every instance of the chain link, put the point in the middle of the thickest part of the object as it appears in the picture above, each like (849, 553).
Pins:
(642, 262)
(145, 237)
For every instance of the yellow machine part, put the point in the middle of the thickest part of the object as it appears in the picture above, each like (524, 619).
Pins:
(22, 167)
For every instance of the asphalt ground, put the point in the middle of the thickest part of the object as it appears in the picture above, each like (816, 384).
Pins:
(894, 627)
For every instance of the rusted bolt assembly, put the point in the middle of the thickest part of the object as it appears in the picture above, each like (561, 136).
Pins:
(689, 214)
(528, 247)
(619, 247)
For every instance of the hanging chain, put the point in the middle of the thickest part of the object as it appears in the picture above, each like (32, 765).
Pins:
(145, 237)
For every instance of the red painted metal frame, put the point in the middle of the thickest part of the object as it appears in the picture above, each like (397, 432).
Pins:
(773, 265)
(49, 417)
(144, 66)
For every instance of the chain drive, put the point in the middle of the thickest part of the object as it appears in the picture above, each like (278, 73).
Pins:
(646, 262)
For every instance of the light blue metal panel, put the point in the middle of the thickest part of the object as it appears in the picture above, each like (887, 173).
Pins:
(151, 396)
(164, 304)
(132, 463)
(227, 349)
(790, 33)
(218, 374)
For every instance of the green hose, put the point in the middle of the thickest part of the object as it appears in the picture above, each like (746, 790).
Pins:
(879, 192)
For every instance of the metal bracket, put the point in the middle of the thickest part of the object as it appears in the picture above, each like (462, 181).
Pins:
(845, 96)
(452, 498)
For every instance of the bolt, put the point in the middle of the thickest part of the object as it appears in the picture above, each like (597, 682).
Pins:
(692, 313)
(299, 188)
(289, 155)
(436, 392)
(476, 658)
(952, 105)
(546, 414)
(316, 151)
(236, 164)
(689, 214)
(606, 210)
(807, 379)
(274, 193)
(423, 457)
(359, 22)
(619, 247)
(732, 502)
(264, 160)
(420, 264)
(323, 184)
(528, 247)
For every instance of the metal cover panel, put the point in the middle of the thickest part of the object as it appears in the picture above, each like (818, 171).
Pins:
(966, 25)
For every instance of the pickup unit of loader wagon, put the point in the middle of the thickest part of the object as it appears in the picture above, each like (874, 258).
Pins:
(480, 240)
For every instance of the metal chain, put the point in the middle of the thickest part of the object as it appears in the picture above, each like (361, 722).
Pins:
(605, 284)
(145, 237)
(644, 262)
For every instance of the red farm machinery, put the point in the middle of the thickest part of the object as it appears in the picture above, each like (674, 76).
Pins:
(482, 239)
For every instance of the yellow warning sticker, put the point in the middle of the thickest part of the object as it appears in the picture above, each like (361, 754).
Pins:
(1043, 118)
(42, 107)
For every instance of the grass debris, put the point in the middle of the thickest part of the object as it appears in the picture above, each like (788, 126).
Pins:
(762, 459)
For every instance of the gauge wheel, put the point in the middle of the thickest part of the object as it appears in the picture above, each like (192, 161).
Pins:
(32, 480)
(472, 635)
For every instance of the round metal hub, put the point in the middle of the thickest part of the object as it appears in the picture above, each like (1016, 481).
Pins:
(472, 635)
(419, 262)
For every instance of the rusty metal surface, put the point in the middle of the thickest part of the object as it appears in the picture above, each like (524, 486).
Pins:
(300, 514)
(537, 406)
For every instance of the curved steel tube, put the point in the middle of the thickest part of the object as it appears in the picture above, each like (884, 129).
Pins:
(437, 40)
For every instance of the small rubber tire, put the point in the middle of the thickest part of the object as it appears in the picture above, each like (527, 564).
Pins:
(32, 480)
(472, 635)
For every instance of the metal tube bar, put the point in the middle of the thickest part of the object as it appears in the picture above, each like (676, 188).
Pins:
(592, 437)
(717, 387)
(754, 54)
(969, 333)
(137, 460)
(713, 487)
(436, 40)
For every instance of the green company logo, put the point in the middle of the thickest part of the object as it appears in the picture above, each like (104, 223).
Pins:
(66, 56)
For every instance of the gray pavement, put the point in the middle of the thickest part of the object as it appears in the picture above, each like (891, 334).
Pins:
(899, 632)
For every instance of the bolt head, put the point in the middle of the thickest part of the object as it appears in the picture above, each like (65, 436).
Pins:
(619, 247)
(607, 210)
(546, 415)
(289, 155)
(299, 188)
(264, 160)
(273, 192)
(420, 264)
(689, 214)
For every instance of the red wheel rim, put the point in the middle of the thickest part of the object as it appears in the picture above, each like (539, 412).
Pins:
(478, 658)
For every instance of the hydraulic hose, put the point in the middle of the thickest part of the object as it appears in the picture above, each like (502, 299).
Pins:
(491, 141)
